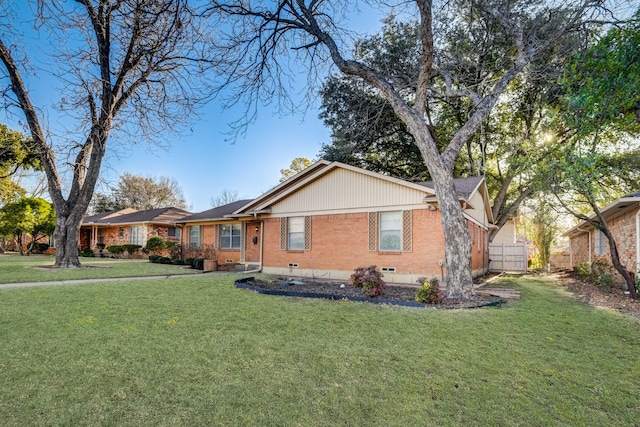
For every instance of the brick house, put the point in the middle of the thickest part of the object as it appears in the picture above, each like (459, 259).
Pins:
(232, 237)
(623, 219)
(331, 218)
(130, 226)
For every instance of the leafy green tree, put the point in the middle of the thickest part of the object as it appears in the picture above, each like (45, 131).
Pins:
(16, 152)
(601, 161)
(512, 142)
(32, 218)
(297, 165)
(602, 84)
(258, 35)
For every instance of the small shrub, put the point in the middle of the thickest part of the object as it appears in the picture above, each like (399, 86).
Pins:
(370, 280)
(198, 263)
(154, 258)
(584, 269)
(179, 262)
(131, 248)
(164, 260)
(155, 244)
(189, 262)
(39, 248)
(115, 249)
(429, 291)
(87, 252)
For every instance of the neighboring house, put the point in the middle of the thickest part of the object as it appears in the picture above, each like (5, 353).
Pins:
(234, 238)
(331, 218)
(623, 219)
(130, 226)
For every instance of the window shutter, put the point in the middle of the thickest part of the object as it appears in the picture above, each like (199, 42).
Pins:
(373, 231)
(243, 252)
(283, 234)
(407, 231)
(216, 238)
(307, 233)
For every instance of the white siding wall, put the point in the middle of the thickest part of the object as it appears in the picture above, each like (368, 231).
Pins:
(331, 192)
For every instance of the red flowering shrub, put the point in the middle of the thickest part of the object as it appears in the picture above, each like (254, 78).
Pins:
(370, 280)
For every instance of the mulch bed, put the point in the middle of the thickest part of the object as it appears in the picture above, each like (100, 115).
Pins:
(404, 295)
(589, 293)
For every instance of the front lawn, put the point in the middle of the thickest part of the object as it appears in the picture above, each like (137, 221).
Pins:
(20, 269)
(197, 351)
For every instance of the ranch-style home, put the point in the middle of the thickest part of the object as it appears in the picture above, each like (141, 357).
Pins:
(623, 218)
(331, 218)
(130, 226)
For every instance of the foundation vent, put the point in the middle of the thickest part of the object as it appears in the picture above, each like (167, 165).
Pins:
(293, 265)
(388, 269)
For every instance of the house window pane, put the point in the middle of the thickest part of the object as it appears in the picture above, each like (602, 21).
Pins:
(230, 236)
(296, 233)
(135, 237)
(391, 231)
(601, 243)
(194, 236)
(174, 232)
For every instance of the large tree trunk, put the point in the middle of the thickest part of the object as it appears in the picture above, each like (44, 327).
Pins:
(615, 260)
(457, 246)
(66, 240)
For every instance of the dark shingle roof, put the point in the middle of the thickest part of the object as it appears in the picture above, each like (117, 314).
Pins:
(161, 215)
(218, 212)
(464, 186)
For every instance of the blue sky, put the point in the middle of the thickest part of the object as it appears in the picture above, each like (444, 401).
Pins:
(202, 160)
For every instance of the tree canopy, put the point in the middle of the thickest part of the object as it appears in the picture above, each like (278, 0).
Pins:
(261, 41)
(298, 164)
(34, 217)
(139, 192)
(16, 153)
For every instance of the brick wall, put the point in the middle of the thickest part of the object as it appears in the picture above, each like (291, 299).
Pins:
(623, 229)
(340, 242)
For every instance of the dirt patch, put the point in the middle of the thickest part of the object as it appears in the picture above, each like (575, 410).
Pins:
(589, 293)
(82, 267)
(342, 290)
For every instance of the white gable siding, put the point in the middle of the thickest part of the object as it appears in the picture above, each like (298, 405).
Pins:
(345, 189)
(507, 233)
(478, 213)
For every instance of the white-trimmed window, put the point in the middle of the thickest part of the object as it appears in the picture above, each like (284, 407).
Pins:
(600, 243)
(135, 235)
(230, 236)
(295, 233)
(174, 232)
(391, 231)
(194, 236)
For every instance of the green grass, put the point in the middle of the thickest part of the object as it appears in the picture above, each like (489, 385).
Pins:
(20, 269)
(197, 351)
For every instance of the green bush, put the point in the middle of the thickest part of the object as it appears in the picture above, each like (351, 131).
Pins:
(87, 252)
(429, 291)
(598, 272)
(39, 248)
(115, 249)
(155, 244)
(584, 269)
(189, 262)
(179, 262)
(370, 280)
(198, 263)
(131, 248)
(164, 260)
(154, 258)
